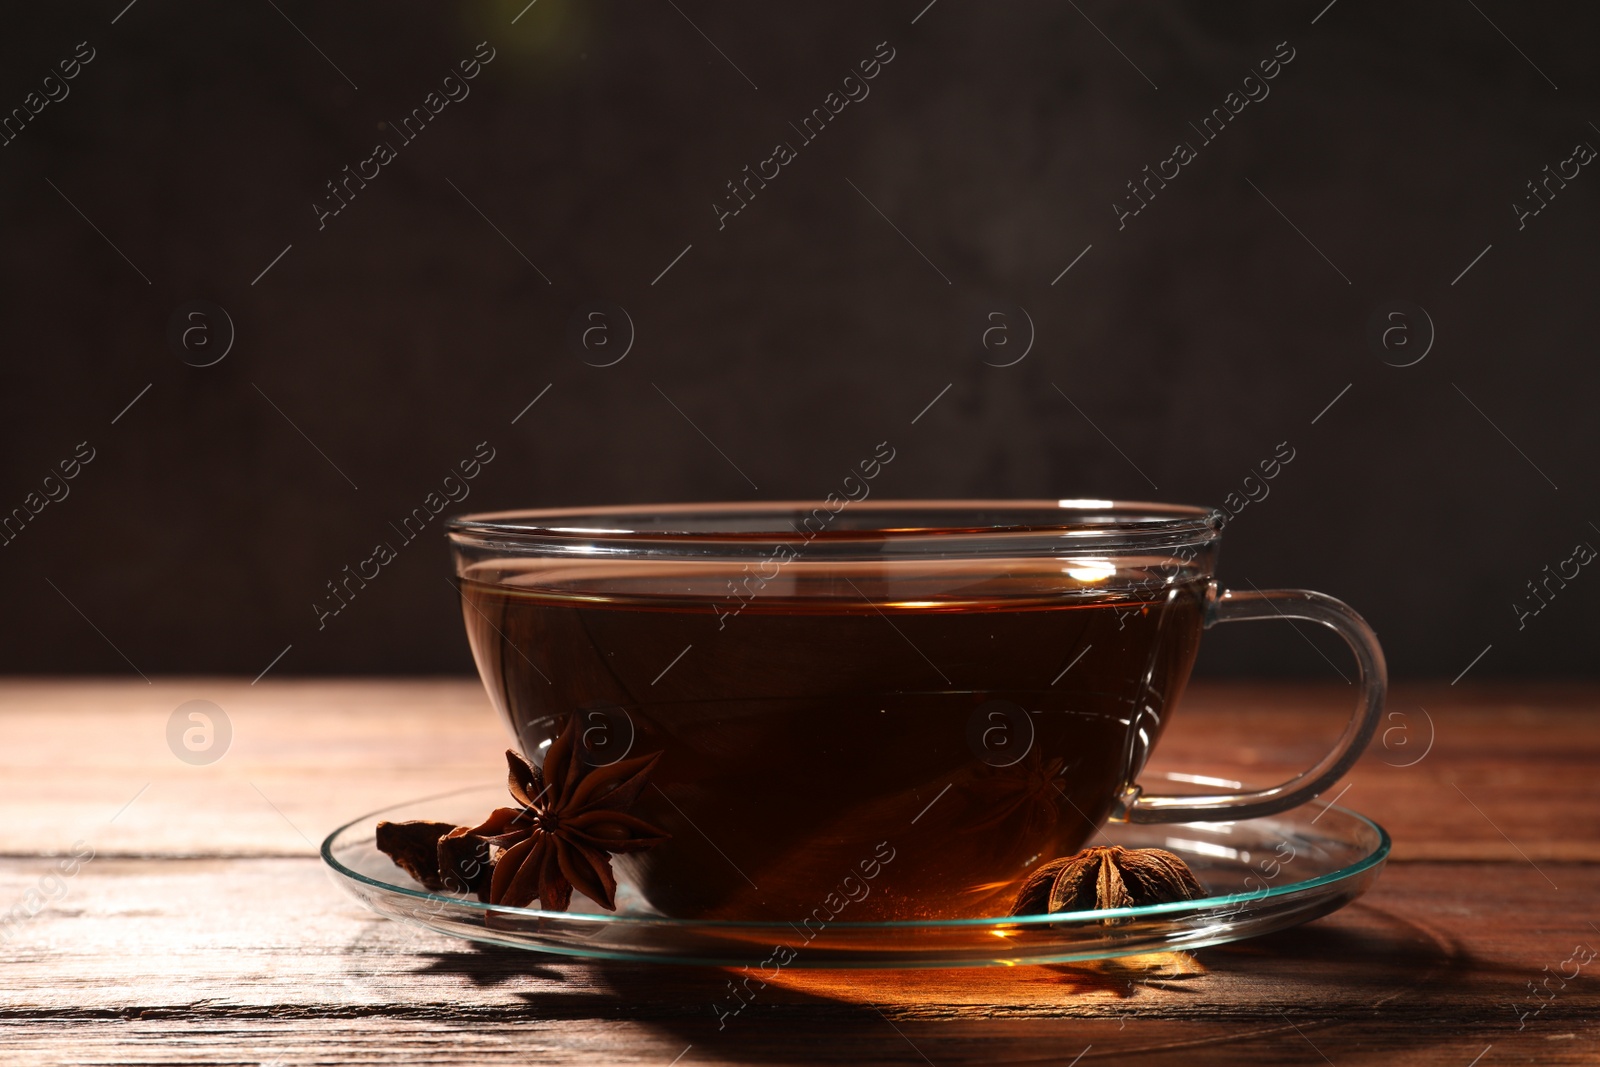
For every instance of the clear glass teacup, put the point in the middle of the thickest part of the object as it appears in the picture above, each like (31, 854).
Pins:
(899, 708)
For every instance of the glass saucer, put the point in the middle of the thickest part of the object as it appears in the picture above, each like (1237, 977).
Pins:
(1263, 874)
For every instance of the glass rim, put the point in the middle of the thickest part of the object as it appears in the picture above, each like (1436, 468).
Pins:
(1084, 523)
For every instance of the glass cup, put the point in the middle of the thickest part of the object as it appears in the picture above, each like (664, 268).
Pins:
(894, 710)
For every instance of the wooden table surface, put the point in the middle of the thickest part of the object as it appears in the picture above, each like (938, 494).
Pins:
(205, 930)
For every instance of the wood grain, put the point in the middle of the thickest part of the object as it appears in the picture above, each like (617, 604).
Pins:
(204, 930)
(241, 958)
(307, 756)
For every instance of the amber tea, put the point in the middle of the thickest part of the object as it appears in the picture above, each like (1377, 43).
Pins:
(836, 744)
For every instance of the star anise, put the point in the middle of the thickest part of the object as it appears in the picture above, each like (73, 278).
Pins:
(1022, 797)
(571, 821)
(1107, 877)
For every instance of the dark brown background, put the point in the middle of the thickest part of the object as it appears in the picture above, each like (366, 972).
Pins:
(808, 330)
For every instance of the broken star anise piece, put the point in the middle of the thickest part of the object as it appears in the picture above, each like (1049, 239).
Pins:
(1107, 877)
(464, 864)
(414, 847)
(571, 821)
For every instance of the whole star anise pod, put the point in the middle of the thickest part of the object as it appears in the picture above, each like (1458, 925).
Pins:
(571, 821)
(1107, 877)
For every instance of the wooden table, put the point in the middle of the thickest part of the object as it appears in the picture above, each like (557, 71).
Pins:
(204, 929)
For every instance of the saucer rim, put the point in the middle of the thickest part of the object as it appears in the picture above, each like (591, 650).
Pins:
(1372, 860)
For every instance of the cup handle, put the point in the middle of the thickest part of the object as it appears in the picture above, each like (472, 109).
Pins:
(1372, 677)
